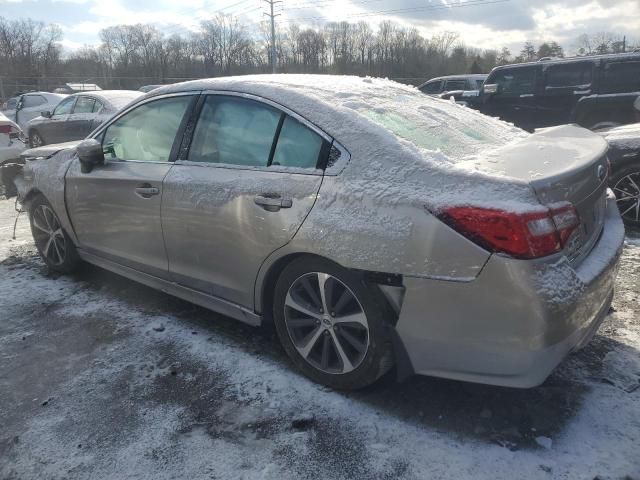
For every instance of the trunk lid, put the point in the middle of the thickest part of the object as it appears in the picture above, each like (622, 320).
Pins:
(562, 164)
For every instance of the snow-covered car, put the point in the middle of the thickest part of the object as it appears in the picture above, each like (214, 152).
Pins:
(12, 144)
(77, 116)
(30, 105)
(374, 225)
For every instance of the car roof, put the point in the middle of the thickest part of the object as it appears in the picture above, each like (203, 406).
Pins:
(560, 61)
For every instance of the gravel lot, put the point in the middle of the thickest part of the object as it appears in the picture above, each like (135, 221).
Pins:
(103, 378)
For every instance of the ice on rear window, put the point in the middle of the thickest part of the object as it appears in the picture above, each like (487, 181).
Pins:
(434, 125)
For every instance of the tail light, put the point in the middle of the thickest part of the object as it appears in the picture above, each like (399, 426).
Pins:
(10, 130)
(525, 235)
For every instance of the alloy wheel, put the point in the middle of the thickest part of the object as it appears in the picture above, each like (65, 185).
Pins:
(326, 323)
(36, 141)
(48, 235)
(627, 191)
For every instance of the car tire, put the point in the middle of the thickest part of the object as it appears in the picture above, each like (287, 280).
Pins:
(54, 244)
(35, 139)
(626, 183)
(326, 345)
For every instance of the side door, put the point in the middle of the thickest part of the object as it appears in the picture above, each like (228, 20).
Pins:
(240, 191)
(78, 125)
(564, 84)
(511, 94)
(53, 129)
(115, 209)
(618, 90)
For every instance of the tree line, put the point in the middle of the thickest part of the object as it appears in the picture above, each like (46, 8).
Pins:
(128, 56)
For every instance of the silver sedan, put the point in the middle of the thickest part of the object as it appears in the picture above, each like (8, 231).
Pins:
(378, 228)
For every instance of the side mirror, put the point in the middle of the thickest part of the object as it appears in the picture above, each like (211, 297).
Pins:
(490, 88)
(46, 114)
(90, 154)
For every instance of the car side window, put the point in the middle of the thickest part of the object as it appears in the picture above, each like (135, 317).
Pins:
(84, 105)
(515, 82)
(32, 101)
(569, 75)
(621, 77)
(97, 106)
(455, 85)
(432, 87)
(234, 131)
(298, 146)
(64, 107)
(146, 133)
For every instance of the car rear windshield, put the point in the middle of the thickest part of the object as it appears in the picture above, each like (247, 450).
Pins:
(434, 124)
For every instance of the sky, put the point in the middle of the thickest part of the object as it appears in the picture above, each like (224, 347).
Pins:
(487, 24)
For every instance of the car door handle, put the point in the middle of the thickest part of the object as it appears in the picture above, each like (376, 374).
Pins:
(147, 191)
(272, 203)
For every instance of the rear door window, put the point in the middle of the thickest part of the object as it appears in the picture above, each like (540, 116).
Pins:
(234, 131)
(452, 85)
(570, 75)
(516, 81)
(621, 77)
(298, 146)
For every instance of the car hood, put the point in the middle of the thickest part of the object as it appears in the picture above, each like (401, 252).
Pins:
(48, 150)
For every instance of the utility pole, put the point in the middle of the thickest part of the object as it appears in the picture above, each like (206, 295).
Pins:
(624, 44)
(272, 16)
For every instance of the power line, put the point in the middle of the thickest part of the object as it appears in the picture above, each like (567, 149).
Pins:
(469, 3)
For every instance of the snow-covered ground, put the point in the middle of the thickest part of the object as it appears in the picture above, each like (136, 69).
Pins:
(104, 378)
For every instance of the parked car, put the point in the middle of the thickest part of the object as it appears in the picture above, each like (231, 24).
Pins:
(31, 104)
(594, 92)
(77, 116)
(452, 83)
(624, 155)
(12, 143)
(374, 225)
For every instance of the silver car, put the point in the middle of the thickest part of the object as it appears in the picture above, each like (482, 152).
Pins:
(76, 116)
(375, 226)
(31, 104)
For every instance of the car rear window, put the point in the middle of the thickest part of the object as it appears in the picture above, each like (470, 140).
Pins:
(434, 124)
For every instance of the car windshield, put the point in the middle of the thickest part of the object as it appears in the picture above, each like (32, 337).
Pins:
(434, 124)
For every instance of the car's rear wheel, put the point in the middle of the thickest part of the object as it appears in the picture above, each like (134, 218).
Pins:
(332, 324)
(54, 245)
(626, 186)
(35, 139)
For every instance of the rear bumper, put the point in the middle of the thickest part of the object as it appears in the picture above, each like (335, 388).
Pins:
(513, 324)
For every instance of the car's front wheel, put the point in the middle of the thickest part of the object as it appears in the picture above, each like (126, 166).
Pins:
(332, 324)
(35, 139)
(626, 186)
(54, 245)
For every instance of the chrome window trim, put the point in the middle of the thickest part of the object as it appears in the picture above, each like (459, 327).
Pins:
(333, 170)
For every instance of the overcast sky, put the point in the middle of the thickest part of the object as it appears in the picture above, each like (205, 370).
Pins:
(488, 24)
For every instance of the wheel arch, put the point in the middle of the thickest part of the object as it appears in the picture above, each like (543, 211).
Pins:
(268, 277)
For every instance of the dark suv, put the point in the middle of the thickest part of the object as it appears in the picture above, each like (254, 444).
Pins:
(594, 92)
